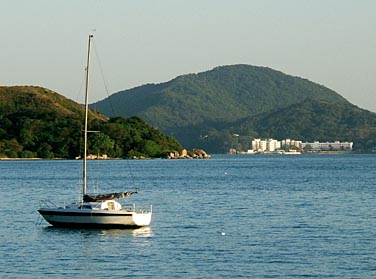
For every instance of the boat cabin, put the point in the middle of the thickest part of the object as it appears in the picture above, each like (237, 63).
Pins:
(110, 205)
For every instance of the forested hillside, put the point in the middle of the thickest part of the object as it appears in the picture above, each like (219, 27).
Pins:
(223, 94)
(37, 122)
(206, 110)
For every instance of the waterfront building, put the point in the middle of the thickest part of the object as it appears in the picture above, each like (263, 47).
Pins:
(272, 145)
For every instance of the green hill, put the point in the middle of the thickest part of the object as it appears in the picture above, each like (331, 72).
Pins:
(223, 94)
(37, 122)
(205, 110)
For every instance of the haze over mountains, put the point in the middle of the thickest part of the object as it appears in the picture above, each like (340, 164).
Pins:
(226, 107)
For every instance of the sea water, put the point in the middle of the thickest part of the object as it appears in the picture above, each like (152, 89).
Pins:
(307, 216)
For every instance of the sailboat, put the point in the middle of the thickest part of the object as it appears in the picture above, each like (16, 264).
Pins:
(95, 211)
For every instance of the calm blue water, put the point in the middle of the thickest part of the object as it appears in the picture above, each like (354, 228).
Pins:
(229, 217)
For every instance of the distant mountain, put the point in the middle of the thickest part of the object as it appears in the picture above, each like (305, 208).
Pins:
(206, 110)
(37, 122)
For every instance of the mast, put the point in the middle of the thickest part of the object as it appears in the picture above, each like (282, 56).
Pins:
(86, 116)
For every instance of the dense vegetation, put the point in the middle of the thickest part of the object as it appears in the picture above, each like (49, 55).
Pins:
(227, 106)
(36, 122)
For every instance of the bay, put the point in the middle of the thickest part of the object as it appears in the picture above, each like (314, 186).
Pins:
(229, 217)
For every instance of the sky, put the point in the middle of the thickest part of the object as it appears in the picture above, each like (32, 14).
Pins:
(44, 42)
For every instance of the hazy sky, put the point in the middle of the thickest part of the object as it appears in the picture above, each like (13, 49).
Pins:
(330, 42)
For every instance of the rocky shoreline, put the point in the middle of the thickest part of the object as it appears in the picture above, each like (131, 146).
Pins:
(184, 154)
(192, 154)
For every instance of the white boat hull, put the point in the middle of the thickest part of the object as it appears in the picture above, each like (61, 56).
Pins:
(94, 218)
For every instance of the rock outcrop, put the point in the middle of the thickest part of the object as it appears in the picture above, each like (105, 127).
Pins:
(193, 154)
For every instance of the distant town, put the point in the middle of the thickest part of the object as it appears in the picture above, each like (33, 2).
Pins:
(290, 146)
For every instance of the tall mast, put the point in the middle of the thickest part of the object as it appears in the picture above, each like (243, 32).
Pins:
(86, 116)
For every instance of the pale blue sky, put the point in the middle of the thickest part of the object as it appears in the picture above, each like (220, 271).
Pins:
(331, 42)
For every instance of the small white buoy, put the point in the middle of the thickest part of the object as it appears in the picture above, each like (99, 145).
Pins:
(223, 233)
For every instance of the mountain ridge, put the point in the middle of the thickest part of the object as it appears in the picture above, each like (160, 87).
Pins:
(236, 79)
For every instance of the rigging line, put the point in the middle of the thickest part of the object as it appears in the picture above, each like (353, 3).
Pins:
(104, 80)
(79, 92)
(133, 181)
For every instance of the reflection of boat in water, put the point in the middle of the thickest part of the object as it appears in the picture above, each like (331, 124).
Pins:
(143, 232)
(95, 211)
(138, 232)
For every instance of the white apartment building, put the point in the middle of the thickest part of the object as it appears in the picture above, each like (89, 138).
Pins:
(291, 143)
(326, 146)
(271, 145)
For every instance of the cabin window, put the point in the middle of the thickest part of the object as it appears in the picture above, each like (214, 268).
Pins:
(111, 205)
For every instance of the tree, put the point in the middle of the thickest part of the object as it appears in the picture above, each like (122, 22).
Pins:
(307, 147)
(12, 148)
(45, 151)
(101, 143)
(150, 148)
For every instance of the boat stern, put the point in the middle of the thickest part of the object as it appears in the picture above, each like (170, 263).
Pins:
(142, 219)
